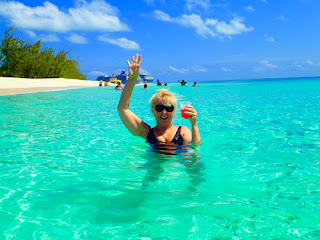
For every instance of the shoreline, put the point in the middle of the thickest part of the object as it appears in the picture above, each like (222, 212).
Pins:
(13, 86)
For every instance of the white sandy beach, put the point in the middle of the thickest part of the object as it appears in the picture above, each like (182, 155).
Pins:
(10, 86)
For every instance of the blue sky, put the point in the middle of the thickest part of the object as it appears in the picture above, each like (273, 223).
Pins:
(194, 40)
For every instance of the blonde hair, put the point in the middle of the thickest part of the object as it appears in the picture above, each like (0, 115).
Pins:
(166, 97)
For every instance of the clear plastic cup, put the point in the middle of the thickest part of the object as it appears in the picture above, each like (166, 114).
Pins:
(183, 110)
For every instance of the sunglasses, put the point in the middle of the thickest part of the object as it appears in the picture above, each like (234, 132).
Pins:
(159, 108)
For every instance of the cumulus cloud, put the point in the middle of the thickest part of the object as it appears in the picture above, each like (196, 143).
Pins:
(312, 63)
(206, 27)
(283, 18)
(31, 34)
(198, 69)
(49, 38)
(192, 5)
(163, 16)
(120, 42)
(269, 39)
(267, 64)
(234, 27)
(150, 2)
(43, 37)
(76, 38)
(192, 69)
(93, 16)
(181, 70)
(225, 69)
(143, 71)
(97, 73)
(249, 9)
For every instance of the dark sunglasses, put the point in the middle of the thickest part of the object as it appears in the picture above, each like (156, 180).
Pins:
(159, 108)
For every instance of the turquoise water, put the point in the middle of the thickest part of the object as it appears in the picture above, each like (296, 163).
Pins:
(69, 169)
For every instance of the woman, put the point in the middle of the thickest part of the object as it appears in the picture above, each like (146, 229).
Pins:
(119, 87)
(163, 107)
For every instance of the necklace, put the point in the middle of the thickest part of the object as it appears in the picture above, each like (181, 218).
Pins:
(165, 130)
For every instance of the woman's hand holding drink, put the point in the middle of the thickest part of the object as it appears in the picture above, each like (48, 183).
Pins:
(188, 112)
(183, 106)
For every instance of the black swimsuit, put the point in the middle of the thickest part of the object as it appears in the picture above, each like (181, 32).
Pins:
(177, 139)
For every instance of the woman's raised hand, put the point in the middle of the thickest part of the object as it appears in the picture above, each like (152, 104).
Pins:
(135, 65)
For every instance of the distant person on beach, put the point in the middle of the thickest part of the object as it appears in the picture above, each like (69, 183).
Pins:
(145, 86)
(100, 83)
(165, 84)
(163, 107)
(119, 86)
(195, 84)
(159, 83)
(183, 82)
(106, 83)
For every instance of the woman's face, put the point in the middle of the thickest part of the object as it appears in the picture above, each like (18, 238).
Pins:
(163, 117)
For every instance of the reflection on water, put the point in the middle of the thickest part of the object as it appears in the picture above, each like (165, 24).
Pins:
(184, 154)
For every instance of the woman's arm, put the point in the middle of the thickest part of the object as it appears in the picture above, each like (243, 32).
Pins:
(132, 122)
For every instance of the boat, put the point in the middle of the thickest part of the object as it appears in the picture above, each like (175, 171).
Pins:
(146, 77)
(123, 77)
(114, 80)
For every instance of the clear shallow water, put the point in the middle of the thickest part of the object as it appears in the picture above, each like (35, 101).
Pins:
(70, 170)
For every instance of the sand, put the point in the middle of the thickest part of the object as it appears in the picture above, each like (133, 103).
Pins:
(11, 86)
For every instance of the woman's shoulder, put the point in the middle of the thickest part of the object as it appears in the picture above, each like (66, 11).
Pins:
(185, 129)
(186, 133)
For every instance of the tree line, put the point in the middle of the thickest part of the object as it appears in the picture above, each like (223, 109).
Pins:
(19, 58)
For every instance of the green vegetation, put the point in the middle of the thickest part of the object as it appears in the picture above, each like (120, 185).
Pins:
(19, 58)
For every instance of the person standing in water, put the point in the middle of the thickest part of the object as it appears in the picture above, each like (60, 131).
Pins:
(163, 107)
(119, 86)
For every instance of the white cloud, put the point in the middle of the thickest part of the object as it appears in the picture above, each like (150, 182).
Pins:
(300, 67)
(97, 73)
(43, 37)
(249, 9)
(269, 39)
(143, 71)
(192, 5)
(196, 22)
(234, 27)
(49, 38)
(198, 69)
(76, 38)
(120, 42)
(181, 70)
(94, 16)
(31, 34)
(163, 16)
(226, 69)
(207, 27)
(283, 18)
(267, 64)
(151, 2)
(184, 70)
(313, 64)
